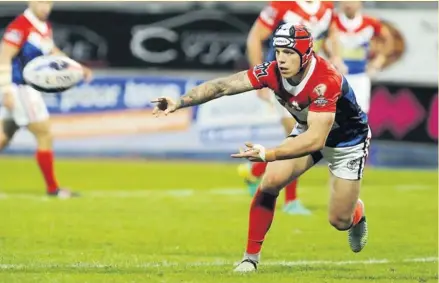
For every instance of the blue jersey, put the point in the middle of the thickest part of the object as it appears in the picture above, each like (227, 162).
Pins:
(32, 36)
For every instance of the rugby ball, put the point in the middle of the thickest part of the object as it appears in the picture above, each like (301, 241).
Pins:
(52, 73)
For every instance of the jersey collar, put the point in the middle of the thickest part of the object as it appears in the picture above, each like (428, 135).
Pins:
(39, 25)
(310, 8)
(351, 24)
(297, 89)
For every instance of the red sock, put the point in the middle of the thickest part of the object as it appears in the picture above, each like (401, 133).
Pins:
(358, 213)
(45, 162)
(258, 168)
(261, 216)
(291, 191)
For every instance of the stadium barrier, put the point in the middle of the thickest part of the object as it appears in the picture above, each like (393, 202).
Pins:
(112, 116)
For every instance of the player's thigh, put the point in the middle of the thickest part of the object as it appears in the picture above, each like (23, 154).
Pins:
(346, 166)
(29, 106)
(41, 128)
(344, 194)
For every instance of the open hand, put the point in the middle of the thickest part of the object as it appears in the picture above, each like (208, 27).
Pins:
(88, 74)
(164, 105)
(253, 152)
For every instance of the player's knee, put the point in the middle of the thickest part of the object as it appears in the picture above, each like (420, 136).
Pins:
(340, 223)
(272, 183)
(4, 140)
(44, 139)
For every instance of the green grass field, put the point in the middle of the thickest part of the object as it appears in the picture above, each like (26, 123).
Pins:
(144, 221)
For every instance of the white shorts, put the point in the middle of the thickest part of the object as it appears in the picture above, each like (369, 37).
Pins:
(344, 162)
(361, 85)
(29, 106)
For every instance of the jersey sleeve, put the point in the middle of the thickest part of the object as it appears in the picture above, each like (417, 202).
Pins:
(335, 19)
(325, 95)
(272, 15)
(15, 33)
(329, 4)
(377, 26)
(263, 75)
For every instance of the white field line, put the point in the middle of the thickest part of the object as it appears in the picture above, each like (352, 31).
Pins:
(183, 192)
(133, 193)
(215, 263)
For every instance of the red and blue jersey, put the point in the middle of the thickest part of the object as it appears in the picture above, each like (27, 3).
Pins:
(33, 38)
(323, 89)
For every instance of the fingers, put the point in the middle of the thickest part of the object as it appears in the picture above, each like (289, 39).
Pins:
(169, 110)
(247, 156)
(89, 78)
(250, 153)
(249, 144)
(88, 74)
(155, 111)
(237, 155)
(162, 106)
(158, 100)
(242, 154)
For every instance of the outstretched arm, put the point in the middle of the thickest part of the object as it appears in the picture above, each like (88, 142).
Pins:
(234, 84)
(237, 83)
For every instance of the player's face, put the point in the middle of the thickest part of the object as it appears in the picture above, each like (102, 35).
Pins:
(350, 8)
(288, 62)
(41, 9)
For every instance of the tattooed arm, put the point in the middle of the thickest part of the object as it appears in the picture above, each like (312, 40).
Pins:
(234, 84)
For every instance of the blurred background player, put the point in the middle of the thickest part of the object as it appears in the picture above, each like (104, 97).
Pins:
(355, 32)
(317, 16)
(28, 36)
